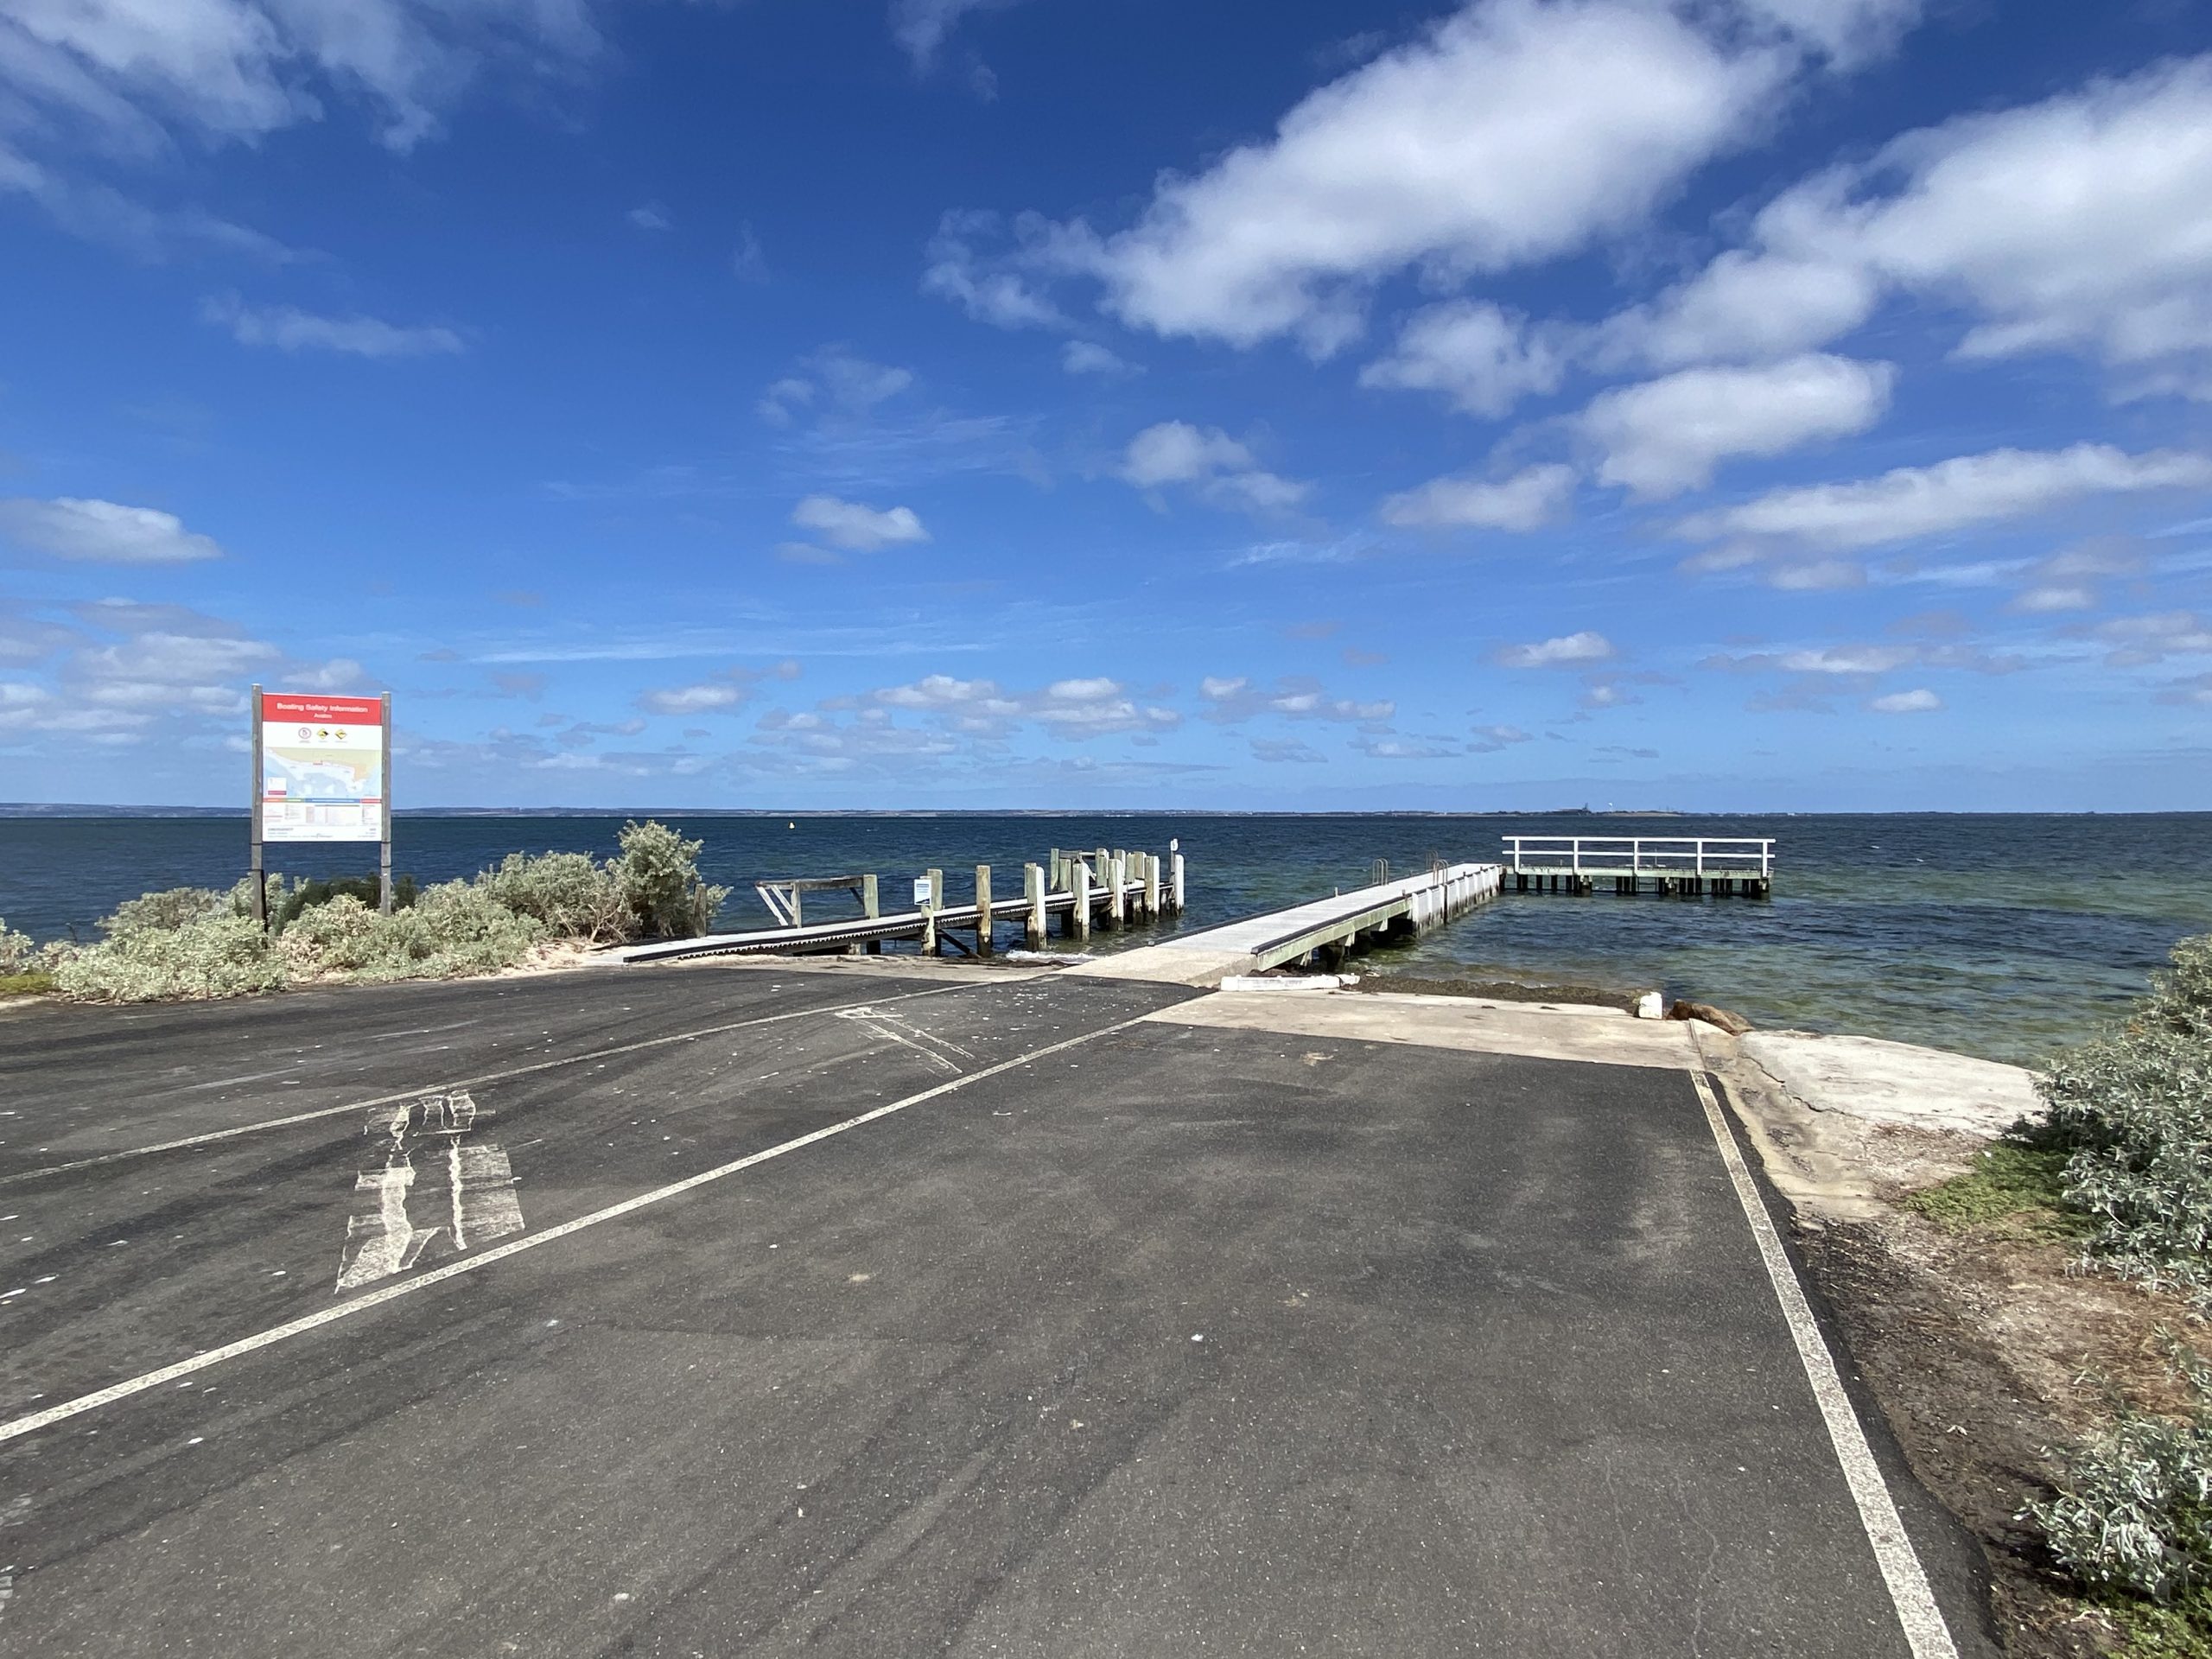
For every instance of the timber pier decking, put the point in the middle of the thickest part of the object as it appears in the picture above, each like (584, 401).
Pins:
(1323, 932)
(1104, 888)
(1674, 865)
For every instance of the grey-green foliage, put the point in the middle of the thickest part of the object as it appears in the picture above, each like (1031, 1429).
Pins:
(166, 911)
(2133, 1511)
(453, 928)
(19, 952)
(574, 897)
(192, 941)
(209, 952)
(660, 873)
(2133, 1110)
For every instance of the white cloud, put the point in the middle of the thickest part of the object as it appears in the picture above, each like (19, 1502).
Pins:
(1846, 31)
(1565, 652)
(1525, 501)
(857, 528)
(2070, 225)
(132, 671)
(988, 293)
(240, 68)
(1082, 357)
(836, 381)
(1207, 460)
(1667, 436)
(102, 533)
(1484, 358)
(2136, 640)
(921, 27)
(1075, 708)
(650, 216)
(702, 698)
(1744, 307)
(1920, 701)
(1294, 697)
(1515, 131)
(1488, 739)
(748, 261)
(290, 329)
(1957, 494)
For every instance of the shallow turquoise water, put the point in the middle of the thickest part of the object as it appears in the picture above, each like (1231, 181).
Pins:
(1997, 935)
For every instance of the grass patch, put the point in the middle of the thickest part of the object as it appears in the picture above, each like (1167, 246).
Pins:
(2181, 1631)
(2012, 1191)
(29, 984)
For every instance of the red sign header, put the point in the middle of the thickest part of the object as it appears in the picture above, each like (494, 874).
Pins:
(322, 711)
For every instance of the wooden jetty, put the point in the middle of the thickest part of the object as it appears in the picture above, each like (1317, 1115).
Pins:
(1105, 888)
(1322, 933)
(1680, 866)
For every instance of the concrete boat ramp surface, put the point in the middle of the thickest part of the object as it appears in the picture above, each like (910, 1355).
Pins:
(871, 1308)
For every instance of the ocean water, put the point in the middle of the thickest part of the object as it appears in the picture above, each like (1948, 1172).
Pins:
(1998, 935)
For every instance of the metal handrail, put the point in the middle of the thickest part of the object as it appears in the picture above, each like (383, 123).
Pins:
(1729, 855)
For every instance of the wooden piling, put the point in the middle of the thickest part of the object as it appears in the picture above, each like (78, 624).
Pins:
(1178, 886)
(931, 945)
(1117, 891)
(982, 910)
(1152, 886)
(1080, 917)
(1032, 892)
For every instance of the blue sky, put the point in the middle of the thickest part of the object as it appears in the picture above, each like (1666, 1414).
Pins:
(798, 404)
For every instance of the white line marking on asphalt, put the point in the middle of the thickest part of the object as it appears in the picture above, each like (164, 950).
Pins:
(1924, 1630)
(316, 1321)
(488, 1077)
(910, 1035)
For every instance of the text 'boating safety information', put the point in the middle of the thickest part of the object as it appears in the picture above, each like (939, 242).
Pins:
(323, 764)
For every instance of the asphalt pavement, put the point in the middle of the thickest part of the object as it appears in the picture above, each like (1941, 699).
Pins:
(886, 1310)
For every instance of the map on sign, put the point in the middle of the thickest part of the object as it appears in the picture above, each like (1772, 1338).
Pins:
(322, 768)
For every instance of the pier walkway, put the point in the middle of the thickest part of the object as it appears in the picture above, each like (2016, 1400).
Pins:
(1323, 931)
(1107, 888)
(1674, 865)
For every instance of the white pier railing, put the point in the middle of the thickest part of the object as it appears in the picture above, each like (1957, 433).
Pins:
(1672, 863)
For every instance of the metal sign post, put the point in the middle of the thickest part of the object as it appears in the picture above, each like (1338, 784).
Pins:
(260, 880)
(384, 852)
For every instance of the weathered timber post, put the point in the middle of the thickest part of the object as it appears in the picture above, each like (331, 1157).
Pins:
(1080, 918)
(1179, 887)
(1152, 886)
(1118, 892)
(982, 910)
(931, 906)
(1032, 890)
(868, 910)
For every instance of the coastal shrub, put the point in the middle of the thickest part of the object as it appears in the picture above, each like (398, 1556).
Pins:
(211, 952)
(452, 928)
(19, 952)
(287, 906)
(167, 910)
(574, 896)
(2133, 1509)
(2132, 1111)
(660, 873)
(335, 936)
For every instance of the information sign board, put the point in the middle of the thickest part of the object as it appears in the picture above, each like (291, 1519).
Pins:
(323, 764)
